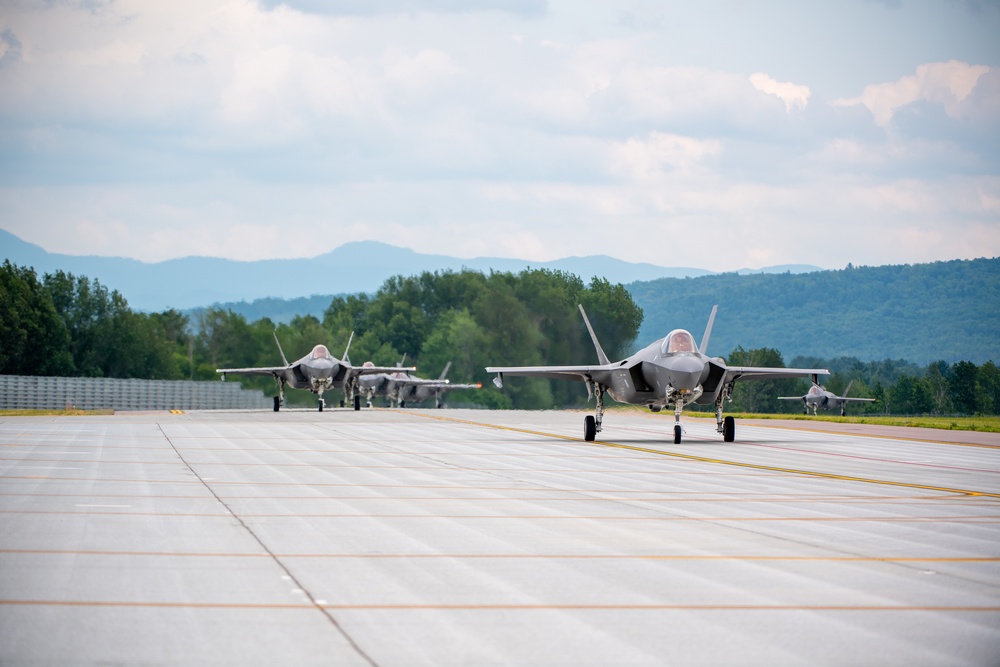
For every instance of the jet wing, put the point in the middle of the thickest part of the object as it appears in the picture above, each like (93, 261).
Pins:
(762, 373)
(865, 400)
(578, 373)
(371, 370)
(792, 398)
(264, 370)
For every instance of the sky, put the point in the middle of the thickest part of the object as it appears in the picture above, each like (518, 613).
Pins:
(721, 135)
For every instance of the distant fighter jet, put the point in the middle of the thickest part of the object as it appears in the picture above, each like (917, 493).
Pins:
(399, 387)
(415, 390)
(317, 371)
(819, 398)
(671, 372)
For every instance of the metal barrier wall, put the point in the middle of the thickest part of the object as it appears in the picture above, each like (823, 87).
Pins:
(25, 392)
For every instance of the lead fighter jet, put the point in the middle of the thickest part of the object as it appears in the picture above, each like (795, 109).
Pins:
(671, 372)
(317, 371)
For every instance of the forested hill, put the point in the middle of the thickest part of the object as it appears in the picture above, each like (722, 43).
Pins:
(924, 312)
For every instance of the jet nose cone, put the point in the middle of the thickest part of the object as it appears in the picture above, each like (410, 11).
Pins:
(685, 372)
(323, 368)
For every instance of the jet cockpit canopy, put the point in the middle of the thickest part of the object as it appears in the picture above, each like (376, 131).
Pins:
(678, 341)
(320, 352)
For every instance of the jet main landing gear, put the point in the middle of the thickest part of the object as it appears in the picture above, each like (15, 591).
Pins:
(592, 423)
(728, 429)
(727, 426)
(279, 400)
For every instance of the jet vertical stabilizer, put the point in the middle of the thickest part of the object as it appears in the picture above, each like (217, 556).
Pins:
(708, 331)
(283, 360)
(603, 358)
(444, 373)
(347, 358)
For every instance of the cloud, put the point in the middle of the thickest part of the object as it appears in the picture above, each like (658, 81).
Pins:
(524, 8)
(945, 83)
(10, 48)
(791, 94)
(228, 127)
(421, 70)
(661, 152)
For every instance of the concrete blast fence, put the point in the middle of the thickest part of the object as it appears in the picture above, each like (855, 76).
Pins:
(23, 392)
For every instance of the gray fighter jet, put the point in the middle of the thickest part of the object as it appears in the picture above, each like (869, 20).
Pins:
(399, 387)
(317, 371)
(671, 372)
(414, 389)
(820, 398)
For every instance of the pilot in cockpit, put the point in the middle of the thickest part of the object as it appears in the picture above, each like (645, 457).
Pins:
(679, 341)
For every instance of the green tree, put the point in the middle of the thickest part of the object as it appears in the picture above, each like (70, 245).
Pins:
(939, 387)
(614, 315)
(909, 396)
(963, 387)
(759, 395)
(988, 389)
(33, 337)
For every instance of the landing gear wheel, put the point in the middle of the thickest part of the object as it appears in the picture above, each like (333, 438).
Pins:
(319, 403)
(341, 402)
(728, 429)
(677, 434)
(277, 403)
(589, 428)
(357, 402)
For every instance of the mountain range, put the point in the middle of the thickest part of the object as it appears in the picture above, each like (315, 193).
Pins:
(360, 266)
(922, 313)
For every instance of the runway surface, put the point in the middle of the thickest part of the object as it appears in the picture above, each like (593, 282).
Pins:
(454, 537)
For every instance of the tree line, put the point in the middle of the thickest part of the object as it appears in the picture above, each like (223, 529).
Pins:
(69, 325)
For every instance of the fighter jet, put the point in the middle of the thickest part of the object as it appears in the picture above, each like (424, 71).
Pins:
(317, 371)
(399, 387)
(670, 372)
(414, 389)
(378, 384)
(819, 398)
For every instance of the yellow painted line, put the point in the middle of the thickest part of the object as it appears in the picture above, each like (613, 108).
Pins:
(706, 459)
(176, 412)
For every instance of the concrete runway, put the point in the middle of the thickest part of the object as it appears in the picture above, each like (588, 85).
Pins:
(454, 537)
